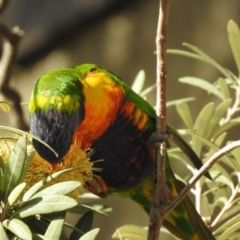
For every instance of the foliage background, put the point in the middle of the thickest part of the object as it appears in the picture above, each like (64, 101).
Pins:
(121, 38)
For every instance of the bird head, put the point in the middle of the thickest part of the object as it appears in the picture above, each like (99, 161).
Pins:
(55, 112)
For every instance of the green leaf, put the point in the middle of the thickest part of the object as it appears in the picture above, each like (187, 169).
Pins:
(220, 202)
(185, 114)
(40, 237)
(98, 208)
(13, 130)
(132, 232)
(177, 154)
(91, 235)
(84, 225)
(208, 143)
(236, 161)
(62, 188)
(2, 169)
(39, 223)
(218, 142)
(14, 167)
(147, 90)
(174, 102)
(226, 126)
(2, 166)
(22, 133)
(210, 190)
(55, 227)
(227, 232)
(201, 56)
(210, 60)
(18, 227)
(5, 106)
(13, 196)
(45, 205)
(224, 178)
(203, 84)
(138, 82)
(227, 224)
(236, 201)
(28, 161)
(234, 41)
(201, 125)
(187, 54)
(3, 233)
(219, 113)
(93, 207)
(222, 84)
(31, 191)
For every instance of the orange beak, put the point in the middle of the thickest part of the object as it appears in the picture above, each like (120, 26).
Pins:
(53, 166)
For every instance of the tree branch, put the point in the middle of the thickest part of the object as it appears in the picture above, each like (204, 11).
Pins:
(210, 162)
(235, 108)
(10, 40)
(161, 191)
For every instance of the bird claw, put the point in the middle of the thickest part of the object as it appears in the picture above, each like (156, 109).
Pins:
(155, 139)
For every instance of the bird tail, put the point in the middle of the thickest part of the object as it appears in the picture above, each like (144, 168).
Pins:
(187, 224)
(183, 221)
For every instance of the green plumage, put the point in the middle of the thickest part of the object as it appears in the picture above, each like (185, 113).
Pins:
(93, 104)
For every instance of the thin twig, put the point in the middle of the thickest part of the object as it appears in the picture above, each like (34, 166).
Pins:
(226, 206)
(10, 39)
(161, 192)
(235, 107)
(211, 161)
(198, 193)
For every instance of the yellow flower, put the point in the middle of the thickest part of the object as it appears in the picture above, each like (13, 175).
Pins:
(39, 168)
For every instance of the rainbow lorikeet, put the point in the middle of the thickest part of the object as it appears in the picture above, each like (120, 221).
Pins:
(92, 104)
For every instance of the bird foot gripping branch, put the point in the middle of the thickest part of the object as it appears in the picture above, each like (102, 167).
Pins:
(155, 139)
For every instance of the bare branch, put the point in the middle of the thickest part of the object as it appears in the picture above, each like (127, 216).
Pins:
(10, 40)
(235, 107)
(226, 206)
(211, 161)
(161, 191)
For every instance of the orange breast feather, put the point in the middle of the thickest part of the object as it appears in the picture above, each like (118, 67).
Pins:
(103, 98)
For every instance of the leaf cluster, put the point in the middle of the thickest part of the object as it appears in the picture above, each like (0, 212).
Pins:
(38, 212)
(216, 200)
